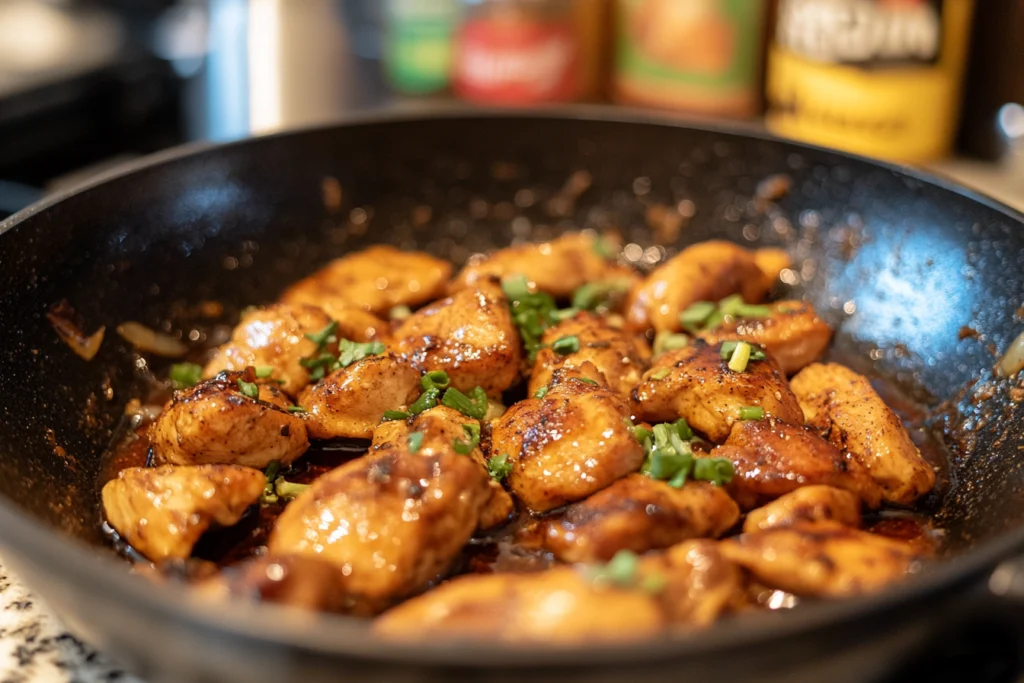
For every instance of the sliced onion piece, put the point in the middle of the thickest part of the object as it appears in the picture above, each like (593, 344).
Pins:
(62, 318)
(1013, 360)
(146, 339)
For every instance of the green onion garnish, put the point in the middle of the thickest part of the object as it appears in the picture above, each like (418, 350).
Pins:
(740, 357)
(532, 312)
(563, 346)
(516, 287)
(287, 489)
(426, 401)
(669, 341)
(474, 405)
(694, 317)
(185, 375)
(734, 306)
(751, 413)
(603, 248)
(415, 441)
(542, 392)
(248, 389)
(465, 447)
(594, 295)
(499, 466)
(395, 415)
(729, 347)
(641, 434)
(349, 351)
(323, 337)
(621, 570)
(661, 373)
(400, 312)
(718, 471)
(435, 379)
(264, 371)
(587, 380)
(296, 409)
(269, 494)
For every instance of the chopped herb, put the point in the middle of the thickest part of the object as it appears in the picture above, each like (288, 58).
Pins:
(323, 337)
(264, 371)
(349, 351)
(705, 315)
(729, 347)
(719, 471)
(641, 434)
(415, 441)
(661, 373)
(694, 317)
(620, 571)
(669, 453)
(563, 346)
(499, 467)
(587, 380)
(683, 429)
(564, 314)
(595, 295)
(185, 375)
(532, 312)
(269, 495)
(400, 312)
(542, 392)
(734, 307)
(740, 357)
(751, 413)
(323, 362)
(435, 379)
(516, 287)
(466, 447)
(296, 409)
(248, 389)
(668, 341)
(604, 248)
(287, 489)
(395, 415)
(474, 405)
(426, 401)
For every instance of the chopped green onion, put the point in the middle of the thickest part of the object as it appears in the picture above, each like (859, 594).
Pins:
(400, 312)
(751, 413)
(248, 389)
(287, 489)
(587, 380)
(269, 495)
(740, 357)
(669, 341)
(296, 409)
(499, 466)
(264, 371)
(620, 571)
(435, 379)
(185, 375)
(735, 307)
(594, 295)
(696, 314)
(564, 314)
(395, 415)
(516, 287)
(563, 346)
(718, 471)
(729, 347)
(542, 392)
(661, 373)
(426, 401)
(415, 441)
(641, 434)
(532, 312)
(323, 337)
(474, 405)
(603, 248)
(683, 429)
(350, 351)
(466, 447)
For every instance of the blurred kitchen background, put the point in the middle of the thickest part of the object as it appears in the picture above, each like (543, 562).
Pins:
(86, 84)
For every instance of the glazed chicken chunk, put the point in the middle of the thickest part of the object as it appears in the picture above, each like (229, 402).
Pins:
(792, 333)
(350, 402)
(441, 428)
(469, 335)
(638, 513)
(393, 522)
(274, 337)
(695, 383)
(214, 422)
(708, 271)
(699, 583)
(375, 279)
(162, 511)
(806, 504)
(558, 267)
(568, 445)
(292, 580)
(844, 406)
(821, 559)
(558, 605)
(621, 357)
(772, 458)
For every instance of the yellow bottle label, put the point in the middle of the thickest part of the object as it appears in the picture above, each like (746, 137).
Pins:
(875, 77)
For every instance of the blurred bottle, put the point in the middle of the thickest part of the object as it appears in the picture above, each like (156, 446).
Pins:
(875, 77)
(700, 56)
(418, 44)
(525, 51)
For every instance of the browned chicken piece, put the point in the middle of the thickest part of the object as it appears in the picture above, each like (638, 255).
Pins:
(695, 383)
(707, 271)
(393, 522)
(292, 580)
(843, 405)
(350, 402)
(638, 513)
(357, 324)
(441, 427)
(558, 605)
(806, 504)
(162, 511)
(821, 559)
(568, 445)
(557, 267)
(215, 423)
(793, 334)
(469, 335)
(771, 458)
(375, 279)
(621, 357)
(699, 583)
(275, 337)
(772, 261)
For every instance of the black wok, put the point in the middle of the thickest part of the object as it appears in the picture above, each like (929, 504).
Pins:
(900, 261)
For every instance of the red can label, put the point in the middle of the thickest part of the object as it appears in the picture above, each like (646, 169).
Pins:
(516, 62)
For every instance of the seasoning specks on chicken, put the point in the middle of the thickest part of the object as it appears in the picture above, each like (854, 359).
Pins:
(593, 498)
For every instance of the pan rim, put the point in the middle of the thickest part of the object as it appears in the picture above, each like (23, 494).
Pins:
(340, 636)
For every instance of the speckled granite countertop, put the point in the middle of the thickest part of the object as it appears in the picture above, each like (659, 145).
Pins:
(35, 647)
